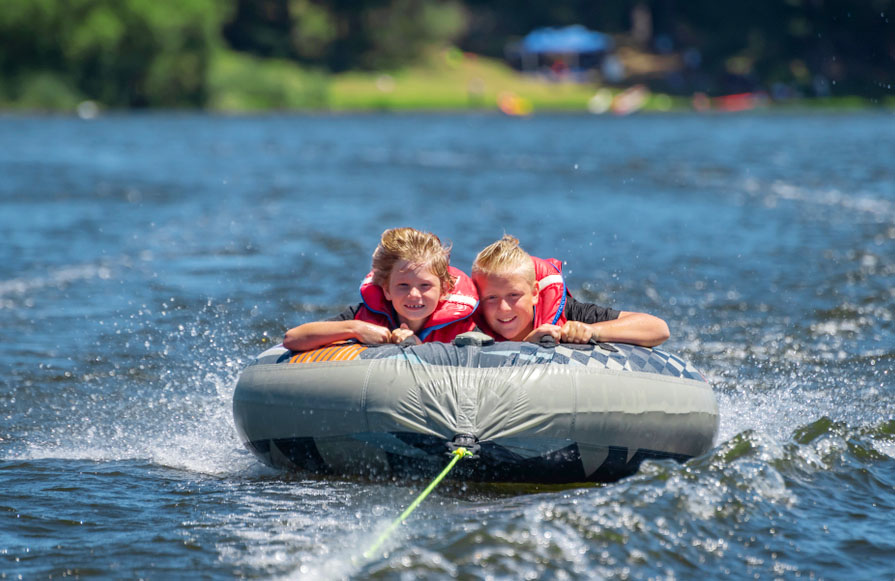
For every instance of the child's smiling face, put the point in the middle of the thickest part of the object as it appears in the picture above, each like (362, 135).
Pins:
(414, 291)
(507, 302)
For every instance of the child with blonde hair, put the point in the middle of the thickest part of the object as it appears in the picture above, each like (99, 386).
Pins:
(524, 298)
(411, 293)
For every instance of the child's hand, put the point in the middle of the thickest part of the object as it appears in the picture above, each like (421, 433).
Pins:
(576, 332)
(554, 331)
(404, 333)
(370, 334)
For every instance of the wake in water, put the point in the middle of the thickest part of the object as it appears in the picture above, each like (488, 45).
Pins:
(144, 403)
(730, 512)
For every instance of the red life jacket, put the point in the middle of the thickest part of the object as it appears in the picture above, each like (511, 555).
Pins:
(452, 316)
(552, 294)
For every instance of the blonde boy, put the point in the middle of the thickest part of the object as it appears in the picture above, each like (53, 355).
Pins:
(524, 298)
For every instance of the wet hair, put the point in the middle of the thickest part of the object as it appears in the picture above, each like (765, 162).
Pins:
(416, 247)
(504, 257)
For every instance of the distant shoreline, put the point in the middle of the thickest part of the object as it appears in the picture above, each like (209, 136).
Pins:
(806, 106)
(444, 81)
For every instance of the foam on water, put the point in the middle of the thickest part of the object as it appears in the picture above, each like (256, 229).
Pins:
(151, 404)
(53, 277)
(204, 441)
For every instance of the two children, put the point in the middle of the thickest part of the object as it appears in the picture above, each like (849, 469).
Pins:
(413, 294)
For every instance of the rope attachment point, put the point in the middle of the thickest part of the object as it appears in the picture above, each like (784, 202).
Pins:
(467, 442)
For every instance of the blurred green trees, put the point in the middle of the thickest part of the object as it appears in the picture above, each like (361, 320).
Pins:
(124, 53)
(278, 53)
(339, 35)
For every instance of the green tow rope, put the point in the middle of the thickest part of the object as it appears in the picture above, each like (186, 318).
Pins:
(458, 453)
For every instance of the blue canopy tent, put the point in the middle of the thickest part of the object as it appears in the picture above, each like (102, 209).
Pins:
(574, 39)
(576, 46)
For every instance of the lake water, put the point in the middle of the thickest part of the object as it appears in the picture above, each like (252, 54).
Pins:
(146, 259)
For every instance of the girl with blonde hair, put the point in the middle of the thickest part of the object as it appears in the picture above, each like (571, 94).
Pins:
(411, 293)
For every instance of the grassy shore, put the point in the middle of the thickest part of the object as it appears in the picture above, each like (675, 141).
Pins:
(443, 80)
(451, 80)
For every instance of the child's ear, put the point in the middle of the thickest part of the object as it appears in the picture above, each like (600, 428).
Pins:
(535, 290)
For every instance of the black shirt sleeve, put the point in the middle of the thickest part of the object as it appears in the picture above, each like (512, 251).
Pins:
(348, 314)
(587, 312)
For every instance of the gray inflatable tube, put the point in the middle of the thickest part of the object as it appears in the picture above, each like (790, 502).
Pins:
(532, 414)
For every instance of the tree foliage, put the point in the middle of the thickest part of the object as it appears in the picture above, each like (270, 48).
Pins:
(131, 53)
(160, 53)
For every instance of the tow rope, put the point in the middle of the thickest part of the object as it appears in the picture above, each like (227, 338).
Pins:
(459, 452)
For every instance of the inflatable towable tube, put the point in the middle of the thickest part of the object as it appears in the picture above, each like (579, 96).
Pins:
(532, 414)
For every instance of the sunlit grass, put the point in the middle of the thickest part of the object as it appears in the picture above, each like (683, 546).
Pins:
(449, 79)
(444, 80)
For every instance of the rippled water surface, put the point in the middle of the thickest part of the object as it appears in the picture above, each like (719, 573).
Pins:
(146, 260)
